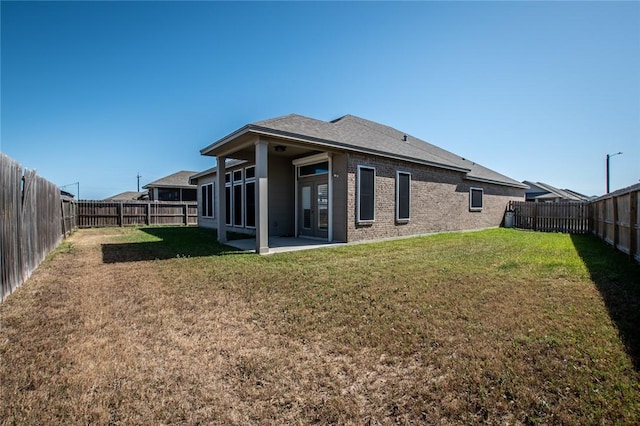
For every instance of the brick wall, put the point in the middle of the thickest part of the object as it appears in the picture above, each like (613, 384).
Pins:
(439, 200)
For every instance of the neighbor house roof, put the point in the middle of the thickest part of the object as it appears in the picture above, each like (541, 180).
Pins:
(176, 180)
(127, 195)
(543, 191)
(357, 134)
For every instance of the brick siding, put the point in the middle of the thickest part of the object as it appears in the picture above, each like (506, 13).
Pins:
(439, 200)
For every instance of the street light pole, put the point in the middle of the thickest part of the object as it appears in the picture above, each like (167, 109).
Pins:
(609, 156)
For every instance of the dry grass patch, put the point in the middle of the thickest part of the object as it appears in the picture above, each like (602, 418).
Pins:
(163, 326)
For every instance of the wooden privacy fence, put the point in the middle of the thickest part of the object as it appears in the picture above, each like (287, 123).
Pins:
(551, 217)
(93, 214)
(31, 225)
(613, 218)
(616, 221)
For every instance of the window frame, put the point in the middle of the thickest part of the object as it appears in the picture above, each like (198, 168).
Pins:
(207, 200)
(238, 198)
(473, 208)
(310, 165)
(229, 199)
(398, 188)
(359, 191)
(249, 180)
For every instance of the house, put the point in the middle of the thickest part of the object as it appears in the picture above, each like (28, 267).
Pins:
(344, 180)
(545, 193)
(128, 196)
(175, 187)
(66, 195)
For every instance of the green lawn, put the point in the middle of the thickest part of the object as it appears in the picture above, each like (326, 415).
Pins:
(498, 326)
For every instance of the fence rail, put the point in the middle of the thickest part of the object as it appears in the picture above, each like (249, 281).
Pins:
(94, 214)
(613, 218)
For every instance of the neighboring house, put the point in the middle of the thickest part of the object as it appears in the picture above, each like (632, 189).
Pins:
(65, 195)
(128, 196)
(544, 193)
(346, 180)
(175, 187)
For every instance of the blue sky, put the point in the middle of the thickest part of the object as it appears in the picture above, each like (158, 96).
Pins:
(98, 92)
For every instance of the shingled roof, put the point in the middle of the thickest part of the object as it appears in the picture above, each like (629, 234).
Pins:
(177, 180)
(543, 191)
(357, 134)
(127, 195)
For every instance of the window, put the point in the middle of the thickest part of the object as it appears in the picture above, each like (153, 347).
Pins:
(206, 200)
(228, 197)
(475, 199)
(403, 196)
(237, 204)
(314, 169)
(189, 194)
(168, 194)
(237, 199)
(240, 193)
(366, 194)
(250, 197)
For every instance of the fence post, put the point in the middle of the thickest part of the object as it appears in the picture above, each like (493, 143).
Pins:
(120, 214)
(148, 213)
(185, 211)
(616, 229)
(633, 221)
(64, 225)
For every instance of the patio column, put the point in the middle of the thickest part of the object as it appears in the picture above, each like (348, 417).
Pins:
(262, 198)
(221, 201)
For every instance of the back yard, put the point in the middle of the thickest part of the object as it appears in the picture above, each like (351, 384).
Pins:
(164, 326)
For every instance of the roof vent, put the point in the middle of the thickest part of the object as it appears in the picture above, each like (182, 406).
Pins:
(405, 138)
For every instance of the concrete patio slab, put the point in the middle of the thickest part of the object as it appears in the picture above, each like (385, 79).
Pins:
(282, 244)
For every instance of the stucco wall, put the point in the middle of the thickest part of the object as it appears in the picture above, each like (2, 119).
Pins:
(206, 222)
(281, 196)
(439, 200)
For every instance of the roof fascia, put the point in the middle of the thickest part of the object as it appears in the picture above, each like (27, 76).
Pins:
(231, 136)
(333, 144)
(497, 182)
(265, 131)
(214, 170)
(184, 186)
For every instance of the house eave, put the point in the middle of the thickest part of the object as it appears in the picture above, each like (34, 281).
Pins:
(496, 182)
(325, 143)
(168, 186)
(231, 136)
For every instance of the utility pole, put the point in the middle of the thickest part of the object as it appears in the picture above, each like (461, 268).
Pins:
(138, 181)
(77, 191)
(609, 156)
